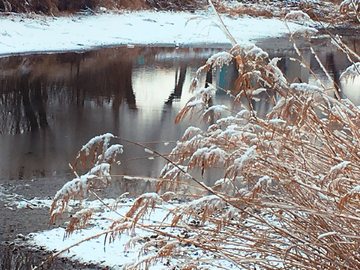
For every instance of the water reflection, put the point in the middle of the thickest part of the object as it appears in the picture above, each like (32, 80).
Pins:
(51, 104)
(179, 83)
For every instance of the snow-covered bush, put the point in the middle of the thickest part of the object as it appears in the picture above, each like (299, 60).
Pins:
(289, 193)
(349, 6)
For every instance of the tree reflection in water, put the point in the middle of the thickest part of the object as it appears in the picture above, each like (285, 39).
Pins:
(69, 97)
(73, 78)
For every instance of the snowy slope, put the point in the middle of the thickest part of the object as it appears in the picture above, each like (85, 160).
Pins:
(22, 34)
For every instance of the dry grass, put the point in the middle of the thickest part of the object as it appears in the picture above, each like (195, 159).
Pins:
(333, 12)
(289, 197)
(56, 7)
(250, 10)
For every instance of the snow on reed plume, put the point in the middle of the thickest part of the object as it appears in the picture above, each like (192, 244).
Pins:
(289, 195)
(101, 158)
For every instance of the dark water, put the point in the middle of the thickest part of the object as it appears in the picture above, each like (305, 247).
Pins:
(51, 104)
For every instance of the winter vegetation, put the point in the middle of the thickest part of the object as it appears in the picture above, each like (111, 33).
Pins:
(289, 192)
(56, 7)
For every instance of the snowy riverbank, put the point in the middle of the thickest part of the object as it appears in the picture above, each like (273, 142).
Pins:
(22, 34)
(19, 33)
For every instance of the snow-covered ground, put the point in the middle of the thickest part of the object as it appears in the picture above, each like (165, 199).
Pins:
(115, 255)
(97, 250)
(20, 33)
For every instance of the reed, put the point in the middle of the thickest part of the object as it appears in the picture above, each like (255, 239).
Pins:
(289, 196)
(58, 7)
(290, 191)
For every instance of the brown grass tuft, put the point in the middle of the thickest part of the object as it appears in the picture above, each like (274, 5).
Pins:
(58, 7)
(289, 196)
(101, 158)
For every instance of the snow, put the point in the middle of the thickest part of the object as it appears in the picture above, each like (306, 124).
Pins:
(113, 254)
(249, 155)
(278, 123)
(112, 151)
(300, 17)
(190, 132)
(258, 91)
(123, 250)
(257, 52)
(148, 151)
(15, 201)
(97, 140)
(351, 72)
(304, 87)
(78, 32)
(219, 59)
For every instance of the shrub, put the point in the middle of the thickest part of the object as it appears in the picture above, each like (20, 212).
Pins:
(289, 195)
(53, 7)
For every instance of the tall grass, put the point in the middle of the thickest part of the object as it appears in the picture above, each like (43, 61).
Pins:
(289, 195)
(55, 7)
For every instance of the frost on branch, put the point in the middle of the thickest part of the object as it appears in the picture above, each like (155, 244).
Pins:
(288, 193)
(191, 132)
(249, 155)
(232, 187)
(185, 149)
(287, 178)
(172, 177)
(351, 197)
(273, 71)
(79, 220)
(284, 109)
(94, 142)
(239, 163)
(216, 61)
(199, 209)
(262, 183)
(112, 152)
(277, 123)
(337, 169)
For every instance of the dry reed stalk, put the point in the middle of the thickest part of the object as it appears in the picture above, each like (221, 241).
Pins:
(290, 191)
(299, 207)
(58, 7)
